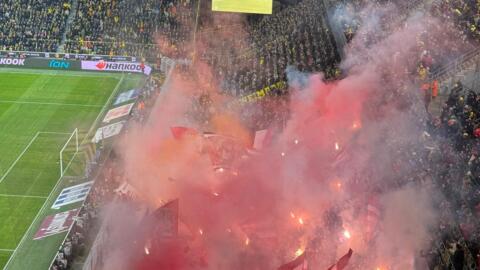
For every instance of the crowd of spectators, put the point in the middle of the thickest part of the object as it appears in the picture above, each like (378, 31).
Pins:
(31, 25)
(465, 12)
(127, 27)
(297, 36)
(457, 173)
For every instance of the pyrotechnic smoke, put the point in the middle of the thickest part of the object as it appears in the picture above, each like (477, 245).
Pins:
(344, 144)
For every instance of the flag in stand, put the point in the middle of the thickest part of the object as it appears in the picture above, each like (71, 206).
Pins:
(262, 139)
(180, 132)
(299, 263)
(343, 262)
(166, 220)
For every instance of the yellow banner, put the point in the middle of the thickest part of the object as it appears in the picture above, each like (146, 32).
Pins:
(259, 94)
(243, 6)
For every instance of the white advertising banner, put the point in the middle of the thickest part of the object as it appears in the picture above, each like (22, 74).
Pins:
(108, 131)
(118, 112)
(116, 66)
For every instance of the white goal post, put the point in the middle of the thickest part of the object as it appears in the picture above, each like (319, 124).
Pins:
(73, 136)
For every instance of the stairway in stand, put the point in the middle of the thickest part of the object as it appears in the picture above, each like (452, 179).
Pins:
(70, 19)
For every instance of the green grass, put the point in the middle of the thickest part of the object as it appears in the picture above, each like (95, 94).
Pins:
(38, 110)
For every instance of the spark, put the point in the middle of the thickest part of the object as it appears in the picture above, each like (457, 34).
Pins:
(216, 194)
(247, 241)
(337, 146)
(296, 141)
(283, 154)
(221, 170)
(356, 125)
(292, 214)
(347, 234)
(147, 251)
(339, 185)
(200, 231)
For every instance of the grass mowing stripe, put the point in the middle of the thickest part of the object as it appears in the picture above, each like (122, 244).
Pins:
(86, 74)
(42, 209)
(19, 157)
(53, 132)
(22, 196)
(48, 103)
(6, 250)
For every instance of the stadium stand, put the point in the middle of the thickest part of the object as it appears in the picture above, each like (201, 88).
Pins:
(125, 27)
(30, 25)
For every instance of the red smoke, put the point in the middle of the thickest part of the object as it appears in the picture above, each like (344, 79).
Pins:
(291, 196)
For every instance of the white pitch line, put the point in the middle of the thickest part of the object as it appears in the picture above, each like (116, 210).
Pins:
(48, 103)
(22, 196)
(58, 181)
(20, 156)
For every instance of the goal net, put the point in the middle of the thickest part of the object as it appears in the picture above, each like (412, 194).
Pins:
(68, 152)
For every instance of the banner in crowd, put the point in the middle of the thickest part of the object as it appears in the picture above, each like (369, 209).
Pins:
(116, 66)
(118, 112)
(126, 96)
(55, 224)
(243, 6)
(108, 131)
(260, 94)
(72, 194)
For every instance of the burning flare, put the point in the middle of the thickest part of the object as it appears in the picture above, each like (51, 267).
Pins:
(299, 252)
(300, 221)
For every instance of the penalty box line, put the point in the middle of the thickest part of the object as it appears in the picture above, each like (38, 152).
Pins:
(41, 209)
(25, 150)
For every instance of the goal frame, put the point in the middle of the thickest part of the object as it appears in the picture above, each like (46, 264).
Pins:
(74, 135)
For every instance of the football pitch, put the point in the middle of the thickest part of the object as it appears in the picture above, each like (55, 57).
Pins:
(39, 110)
